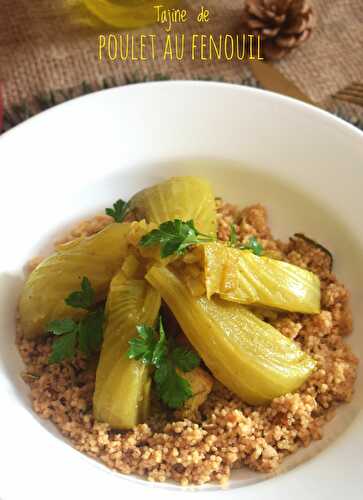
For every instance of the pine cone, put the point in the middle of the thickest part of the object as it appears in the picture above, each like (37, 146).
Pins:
(282, 24)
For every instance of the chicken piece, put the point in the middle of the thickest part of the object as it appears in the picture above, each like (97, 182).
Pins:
(201, 384)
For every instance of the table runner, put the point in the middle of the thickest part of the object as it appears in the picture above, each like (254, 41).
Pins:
(46, 56)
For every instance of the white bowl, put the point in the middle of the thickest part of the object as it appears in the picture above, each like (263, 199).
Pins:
(77, 158)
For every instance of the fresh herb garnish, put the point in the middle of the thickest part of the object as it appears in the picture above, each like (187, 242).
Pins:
(83, 298)
(91, 332)
(62, 326)
(85, 334)
(119, 211)
(152, 347)
(174, 237)
(254, 245)
(233, 236)
(173, 389)
(63, 347)
(184, 359)
(146, 344)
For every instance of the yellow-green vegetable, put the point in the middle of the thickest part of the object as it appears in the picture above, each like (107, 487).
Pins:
(240, 276)
(98, 257)
(122, 391)
(247, 355)
(184, 198)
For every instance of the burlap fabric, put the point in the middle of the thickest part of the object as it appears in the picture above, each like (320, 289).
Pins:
(43, 47)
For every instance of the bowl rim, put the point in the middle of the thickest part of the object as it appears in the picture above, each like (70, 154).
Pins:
(264, 487)
(314, 110)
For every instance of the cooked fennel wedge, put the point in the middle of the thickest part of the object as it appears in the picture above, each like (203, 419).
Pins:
(247, 355)
(98, 257)
(122, 390)
(240, 276)
(185, 198)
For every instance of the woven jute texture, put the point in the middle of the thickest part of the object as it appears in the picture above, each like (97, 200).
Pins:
(43, 47)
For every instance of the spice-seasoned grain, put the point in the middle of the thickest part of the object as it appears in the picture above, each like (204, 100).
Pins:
(227, 433)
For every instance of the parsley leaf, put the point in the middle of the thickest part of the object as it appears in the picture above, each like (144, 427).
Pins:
(174, 390)
(84, 298)
(119, 211)
(233, 236)
(85, 335)
(64, 347)
(174, 237)
(153, 348)
(61, 326)
(143, 346)
(161, 348)
(184, 360)
(90, 332)
(254, 245)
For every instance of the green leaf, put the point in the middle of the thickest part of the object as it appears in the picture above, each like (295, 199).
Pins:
(63, 347)
(173, 389)
(143, 346)
(162, 373)
(91, 332)
(84, 298)
(174, 237)
(172, 246)
(161, 347)
(61, 326)
(233, 236)
(87, 334)
(184, 359)
(151, 239)
(119, 211)
(153, 348)
(254, 245)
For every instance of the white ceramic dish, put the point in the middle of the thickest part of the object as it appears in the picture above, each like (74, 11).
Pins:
(75, 159)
